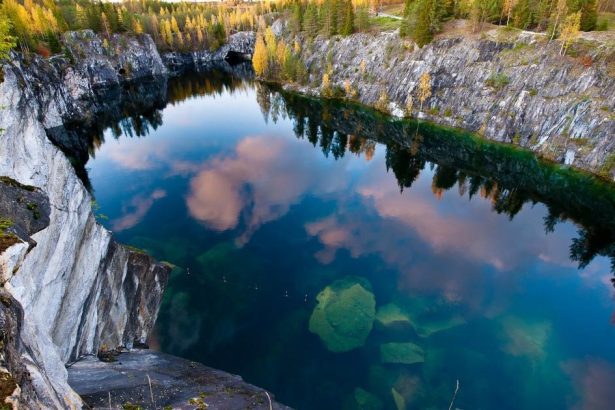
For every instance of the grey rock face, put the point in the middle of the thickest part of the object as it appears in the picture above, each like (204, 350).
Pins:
(25, 207)
(238, 46)
(520, 92)
(78, 288)
(17, 390)
(175, 382)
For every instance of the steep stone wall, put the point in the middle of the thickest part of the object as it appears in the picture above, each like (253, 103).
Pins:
(519, 91)
(79, 290)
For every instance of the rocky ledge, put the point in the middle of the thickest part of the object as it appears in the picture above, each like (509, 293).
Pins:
(152, 380)
(508, 86)
(68, 289)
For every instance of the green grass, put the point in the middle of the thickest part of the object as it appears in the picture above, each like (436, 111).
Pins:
(381, 23)
(606, 22)
(11, 182)
(135, 249)
(6, 238)
(497, 81)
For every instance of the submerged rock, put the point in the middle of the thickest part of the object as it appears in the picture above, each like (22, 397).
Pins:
(344, 315)
(404, 353)
(362, 400)
(425, 315)
(525, 338)
(391, 314)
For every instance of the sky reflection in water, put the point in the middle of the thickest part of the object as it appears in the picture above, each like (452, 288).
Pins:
(259, 222)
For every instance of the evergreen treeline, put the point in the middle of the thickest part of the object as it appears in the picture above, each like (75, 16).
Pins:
(328, 17)
(38, 24)
(423, 18)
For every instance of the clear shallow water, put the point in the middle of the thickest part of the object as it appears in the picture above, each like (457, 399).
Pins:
(302, 265)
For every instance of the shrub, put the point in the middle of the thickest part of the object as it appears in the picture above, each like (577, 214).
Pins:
(497, 81)
(383, 102)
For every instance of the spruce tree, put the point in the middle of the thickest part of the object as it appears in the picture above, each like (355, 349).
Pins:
(422, 30)
(347, 26)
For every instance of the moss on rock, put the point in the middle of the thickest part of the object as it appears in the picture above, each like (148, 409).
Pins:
(344, 315)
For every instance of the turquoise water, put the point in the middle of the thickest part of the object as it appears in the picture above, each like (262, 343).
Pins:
(344, 260)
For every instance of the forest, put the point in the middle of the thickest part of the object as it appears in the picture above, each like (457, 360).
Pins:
(37, 25)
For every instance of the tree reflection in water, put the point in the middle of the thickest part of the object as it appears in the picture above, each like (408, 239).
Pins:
(508, 177)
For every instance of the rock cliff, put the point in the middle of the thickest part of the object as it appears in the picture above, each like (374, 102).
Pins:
(78, 290)
(514, 88)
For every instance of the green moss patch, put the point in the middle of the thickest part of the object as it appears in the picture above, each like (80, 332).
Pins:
(7, 238)
(11, 182)
(344, 315)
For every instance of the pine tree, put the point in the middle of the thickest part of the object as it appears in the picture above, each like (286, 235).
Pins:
(362, 18)
(310, 23)
(589, 14)
(297, 17)
(422, 30)
(347, 26)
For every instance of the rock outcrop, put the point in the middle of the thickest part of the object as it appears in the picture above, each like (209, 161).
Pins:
(238, 47)
(518, 90)
(175, 383)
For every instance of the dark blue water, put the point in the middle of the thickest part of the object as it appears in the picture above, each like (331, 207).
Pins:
(341, 272)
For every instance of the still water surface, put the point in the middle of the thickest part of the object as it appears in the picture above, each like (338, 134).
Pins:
(341, 272)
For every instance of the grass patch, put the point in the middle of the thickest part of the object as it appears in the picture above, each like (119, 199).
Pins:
(7, 238)
(609, 164)
(497, 81)
(11, 182)
(135, 249)
(381, 23)
(606, 22)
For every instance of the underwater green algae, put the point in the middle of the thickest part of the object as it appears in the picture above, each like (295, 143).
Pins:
(362, 400)
(391, 314)
(404, 353)
(426, 316)
(344, 315)
(525, 338)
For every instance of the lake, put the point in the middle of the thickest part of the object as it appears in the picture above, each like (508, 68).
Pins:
(343, 259)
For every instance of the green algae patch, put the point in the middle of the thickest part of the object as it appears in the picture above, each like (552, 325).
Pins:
(403, 353)
(525, 338)
(425, 315)
(344, 315)
(400, 401)
(437, 325)
(362, 400)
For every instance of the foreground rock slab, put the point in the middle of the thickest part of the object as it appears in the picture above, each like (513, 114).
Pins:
(175, 383)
